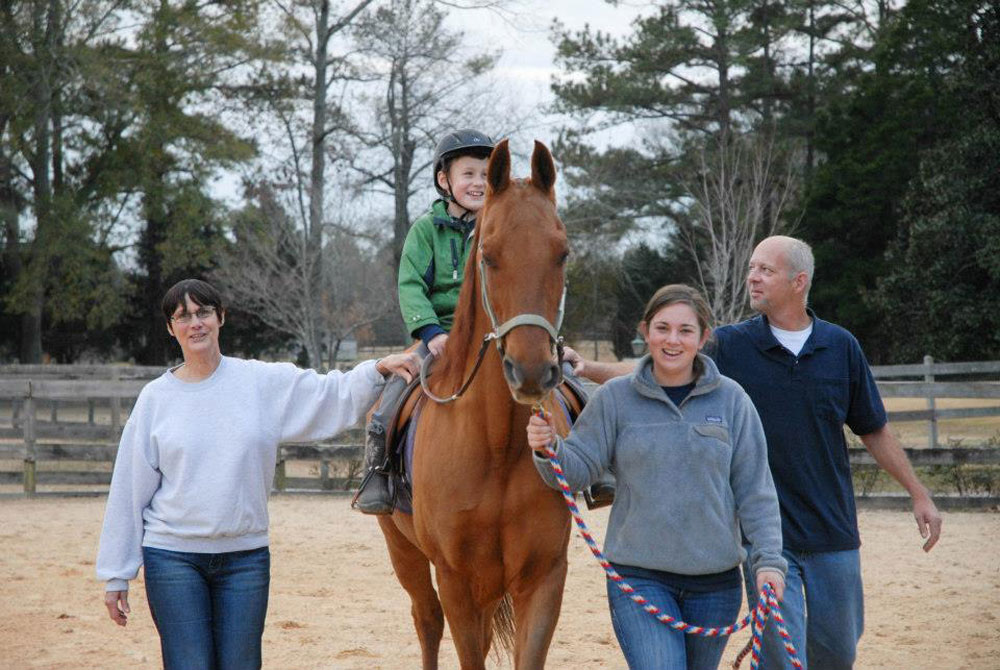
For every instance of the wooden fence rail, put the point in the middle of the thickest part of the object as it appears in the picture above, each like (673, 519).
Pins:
(30, 438)
(928, 372)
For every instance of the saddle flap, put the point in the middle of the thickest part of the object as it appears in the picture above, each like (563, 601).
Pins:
(574, 396)
(406, 408)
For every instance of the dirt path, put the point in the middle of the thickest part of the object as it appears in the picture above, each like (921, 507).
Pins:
(336, 606)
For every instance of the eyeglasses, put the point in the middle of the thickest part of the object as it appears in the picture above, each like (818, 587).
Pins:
(203, 313)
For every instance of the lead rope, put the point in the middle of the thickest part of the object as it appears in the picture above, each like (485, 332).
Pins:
(767, 603)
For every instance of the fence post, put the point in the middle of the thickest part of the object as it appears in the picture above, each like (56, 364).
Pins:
(932, 429)
(30, 453)
(116, 407)
(280, 476)
(324, 475)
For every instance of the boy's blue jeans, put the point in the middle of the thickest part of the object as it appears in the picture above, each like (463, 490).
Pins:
(208, 608)
(651, 645)
(823, 609)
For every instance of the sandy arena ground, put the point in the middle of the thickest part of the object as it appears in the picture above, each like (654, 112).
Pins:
(336, 606)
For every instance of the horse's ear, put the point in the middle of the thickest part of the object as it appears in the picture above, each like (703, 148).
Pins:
(543, 170)
(498, 171)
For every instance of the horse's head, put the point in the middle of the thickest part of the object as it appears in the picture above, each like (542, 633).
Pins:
(521, 261)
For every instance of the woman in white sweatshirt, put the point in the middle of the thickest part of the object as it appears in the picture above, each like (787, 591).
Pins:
(189, 493)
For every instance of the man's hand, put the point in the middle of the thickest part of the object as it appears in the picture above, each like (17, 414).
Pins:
(406, 365)
(928, 520)
(885, 448)
(571, 356)
(117, 604)
(596, 371)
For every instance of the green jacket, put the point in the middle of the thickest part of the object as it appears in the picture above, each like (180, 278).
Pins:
(432, 268)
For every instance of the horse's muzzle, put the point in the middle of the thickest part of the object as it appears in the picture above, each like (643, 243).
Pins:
(531, 382)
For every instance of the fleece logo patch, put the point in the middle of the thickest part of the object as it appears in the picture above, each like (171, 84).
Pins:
(713, 419)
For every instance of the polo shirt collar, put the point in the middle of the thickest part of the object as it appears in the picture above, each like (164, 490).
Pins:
(764, 339)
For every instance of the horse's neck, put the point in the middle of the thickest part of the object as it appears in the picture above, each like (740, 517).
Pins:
(488, 398)
(490, 383)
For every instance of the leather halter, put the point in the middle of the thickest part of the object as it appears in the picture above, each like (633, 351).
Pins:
(498, 333)
(501, 330)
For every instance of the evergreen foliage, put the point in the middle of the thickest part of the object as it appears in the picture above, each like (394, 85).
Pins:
(879, 122)
(940, 294)
(872, 107)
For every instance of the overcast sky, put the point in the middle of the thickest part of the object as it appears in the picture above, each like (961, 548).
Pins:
(526, 66)
(525, 39)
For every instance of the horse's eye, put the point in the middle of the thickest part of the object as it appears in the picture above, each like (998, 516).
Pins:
(563, 258)
(489, 261)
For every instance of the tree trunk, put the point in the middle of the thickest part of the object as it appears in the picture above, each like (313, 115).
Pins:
(811, 97)
(404, 148)
(154, 350)
(31, 331)
(156, 216)
(317, 183)
(42, 39)
(767, 111)
(11, 205)
(724, 102)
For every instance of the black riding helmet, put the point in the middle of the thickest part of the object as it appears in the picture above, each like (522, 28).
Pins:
(465, 142)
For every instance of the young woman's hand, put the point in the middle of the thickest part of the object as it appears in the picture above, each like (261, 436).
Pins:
(775, 579)
(406, 365)
(541, 432)
(117, 604)
(437, 344)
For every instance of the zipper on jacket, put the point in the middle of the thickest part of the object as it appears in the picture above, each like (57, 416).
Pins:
(454, 259)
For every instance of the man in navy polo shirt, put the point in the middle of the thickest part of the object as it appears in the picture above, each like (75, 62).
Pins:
(808, 378)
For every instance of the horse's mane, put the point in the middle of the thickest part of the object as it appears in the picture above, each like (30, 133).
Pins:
(451, 368)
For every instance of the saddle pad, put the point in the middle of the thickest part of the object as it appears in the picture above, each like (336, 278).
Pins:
(404, 449)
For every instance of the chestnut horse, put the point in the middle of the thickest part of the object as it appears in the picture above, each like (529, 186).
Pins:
(494, 532)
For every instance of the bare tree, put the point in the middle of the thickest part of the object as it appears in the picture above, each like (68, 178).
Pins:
(309, 114)
(268, 271)
(307, 214)
(427, 84)
(743, 187)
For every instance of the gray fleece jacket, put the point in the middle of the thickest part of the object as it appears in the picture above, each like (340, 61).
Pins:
(688, 477)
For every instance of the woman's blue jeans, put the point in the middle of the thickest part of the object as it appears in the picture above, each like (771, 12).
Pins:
(651, 645)
(823, 608)
(208, 608)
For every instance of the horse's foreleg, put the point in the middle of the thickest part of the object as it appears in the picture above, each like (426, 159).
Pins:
(414, 574)
(468, 621)
(536, 612)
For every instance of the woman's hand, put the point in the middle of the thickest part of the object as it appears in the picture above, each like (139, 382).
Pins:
(437, 344)
(406, 365)
(775, 579)
(117, 604)
(541, 432)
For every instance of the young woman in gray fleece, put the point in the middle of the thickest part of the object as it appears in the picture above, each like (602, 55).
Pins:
(688, 452)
